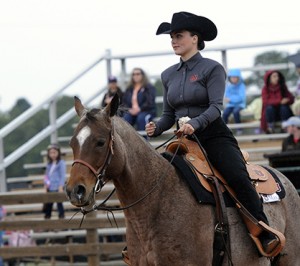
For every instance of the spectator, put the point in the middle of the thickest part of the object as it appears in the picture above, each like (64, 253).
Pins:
(276, 99)
(139, 98)
(292, 126)
(235, 97)
(54, 178)
(112, 89)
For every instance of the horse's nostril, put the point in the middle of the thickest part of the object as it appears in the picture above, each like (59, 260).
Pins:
(79, 191)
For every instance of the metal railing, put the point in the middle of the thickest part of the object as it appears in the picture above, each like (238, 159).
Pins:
(107, 58)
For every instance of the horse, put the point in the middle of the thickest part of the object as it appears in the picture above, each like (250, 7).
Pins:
(165, 225)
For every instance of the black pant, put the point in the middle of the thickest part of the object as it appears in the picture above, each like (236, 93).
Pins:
(48, 208)
(225, 155)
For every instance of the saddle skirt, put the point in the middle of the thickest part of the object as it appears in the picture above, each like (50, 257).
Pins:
(261, 179)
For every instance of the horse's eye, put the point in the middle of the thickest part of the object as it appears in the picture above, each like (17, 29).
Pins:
(100, 143)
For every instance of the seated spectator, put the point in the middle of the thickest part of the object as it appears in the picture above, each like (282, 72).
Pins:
(112, 89)
(139, 99)
(235, 96)
(276, 101)
(292, 126)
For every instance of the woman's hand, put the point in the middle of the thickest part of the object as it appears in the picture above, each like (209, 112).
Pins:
(150, 128)
(186, 129)
(134, 111)
(284, 100)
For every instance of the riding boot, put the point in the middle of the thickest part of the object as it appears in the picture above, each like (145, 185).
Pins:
(225, 155)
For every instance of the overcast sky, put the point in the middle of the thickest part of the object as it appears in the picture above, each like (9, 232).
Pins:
(45, 43)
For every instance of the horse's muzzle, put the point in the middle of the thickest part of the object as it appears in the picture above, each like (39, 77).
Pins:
(78, 195)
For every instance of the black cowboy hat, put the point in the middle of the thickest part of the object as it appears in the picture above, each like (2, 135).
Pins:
(188, 21)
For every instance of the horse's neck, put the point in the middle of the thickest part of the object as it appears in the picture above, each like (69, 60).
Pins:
(143, 167)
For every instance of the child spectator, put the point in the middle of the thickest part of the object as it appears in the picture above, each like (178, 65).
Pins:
(235, 97)
(54, 178)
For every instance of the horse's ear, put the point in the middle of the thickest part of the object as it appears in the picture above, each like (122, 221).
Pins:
(112, 108)
(80, 110)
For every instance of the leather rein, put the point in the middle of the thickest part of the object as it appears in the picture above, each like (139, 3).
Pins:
(100, 175)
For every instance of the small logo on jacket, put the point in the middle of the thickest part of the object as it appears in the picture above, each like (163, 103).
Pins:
(193, 78)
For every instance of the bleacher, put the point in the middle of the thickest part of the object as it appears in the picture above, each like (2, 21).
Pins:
(257, 145)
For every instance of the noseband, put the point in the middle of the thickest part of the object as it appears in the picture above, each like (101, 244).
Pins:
(100, 173)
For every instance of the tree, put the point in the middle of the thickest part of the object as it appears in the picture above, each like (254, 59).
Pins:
(21, 106)
(268, 58)
(30, 128)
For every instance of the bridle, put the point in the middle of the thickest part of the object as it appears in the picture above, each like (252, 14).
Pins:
(100, 174)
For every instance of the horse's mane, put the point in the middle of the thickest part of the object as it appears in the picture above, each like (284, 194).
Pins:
(122, 127)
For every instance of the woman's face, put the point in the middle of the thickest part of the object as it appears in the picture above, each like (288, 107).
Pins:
(183, 43)
(274, 78)
(137, 76)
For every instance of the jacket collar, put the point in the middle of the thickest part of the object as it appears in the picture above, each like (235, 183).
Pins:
(191, 62)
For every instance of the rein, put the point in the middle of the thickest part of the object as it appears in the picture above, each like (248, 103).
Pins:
(102, 206)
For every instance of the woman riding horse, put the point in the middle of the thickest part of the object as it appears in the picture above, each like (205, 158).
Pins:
(195, 88)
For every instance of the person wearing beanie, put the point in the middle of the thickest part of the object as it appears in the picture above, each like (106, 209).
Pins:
(112, 89)
(292, 126)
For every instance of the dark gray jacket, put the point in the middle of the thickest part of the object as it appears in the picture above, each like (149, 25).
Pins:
(194, 88)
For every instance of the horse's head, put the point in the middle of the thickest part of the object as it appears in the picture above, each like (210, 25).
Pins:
(92, 145)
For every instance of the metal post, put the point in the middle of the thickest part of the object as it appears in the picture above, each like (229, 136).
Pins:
(3, 187)
(224, 59)
(52, 119)
(123, 74)
(108, 62)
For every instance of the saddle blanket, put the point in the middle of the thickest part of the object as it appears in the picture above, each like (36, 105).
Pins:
(202, 195)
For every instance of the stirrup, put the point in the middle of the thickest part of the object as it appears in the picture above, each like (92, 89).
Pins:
(125, 256)
(277, 249)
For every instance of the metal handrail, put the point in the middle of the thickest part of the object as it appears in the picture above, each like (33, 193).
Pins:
(43, 134)
(34, 109)
(56, 123)
(51, 129)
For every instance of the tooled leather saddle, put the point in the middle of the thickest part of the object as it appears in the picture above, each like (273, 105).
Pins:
(261, 178)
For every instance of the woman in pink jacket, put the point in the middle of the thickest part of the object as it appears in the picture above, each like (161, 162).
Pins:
(276, 101)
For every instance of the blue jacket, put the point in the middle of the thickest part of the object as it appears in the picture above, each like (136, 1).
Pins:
(57, 176)
(236, 93)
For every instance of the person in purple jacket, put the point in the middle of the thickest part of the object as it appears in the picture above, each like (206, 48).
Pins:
(194, 88)
(54, 178)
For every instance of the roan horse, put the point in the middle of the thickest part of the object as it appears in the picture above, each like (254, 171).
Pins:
(168, 226)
